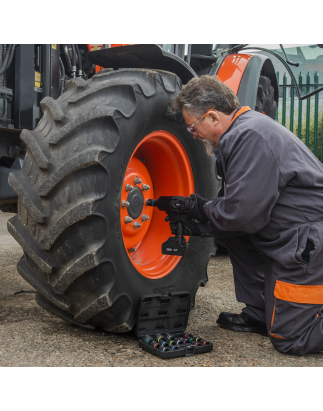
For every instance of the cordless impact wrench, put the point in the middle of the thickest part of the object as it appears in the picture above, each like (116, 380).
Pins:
(174, 205)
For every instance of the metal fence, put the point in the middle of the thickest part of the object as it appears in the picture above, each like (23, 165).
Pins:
(303, 117)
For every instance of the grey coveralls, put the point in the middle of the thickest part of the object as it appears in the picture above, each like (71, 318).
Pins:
(272, 210)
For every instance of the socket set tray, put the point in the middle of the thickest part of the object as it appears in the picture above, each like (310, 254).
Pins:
(162, 321)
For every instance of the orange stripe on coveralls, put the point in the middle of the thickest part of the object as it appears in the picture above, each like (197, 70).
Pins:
(303, 294)
(242, 110)
(278, 336)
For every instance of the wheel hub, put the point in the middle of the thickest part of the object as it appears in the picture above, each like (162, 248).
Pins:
(134, 221)
(136, 202)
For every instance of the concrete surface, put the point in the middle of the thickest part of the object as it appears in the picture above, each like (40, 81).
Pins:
(29, 336)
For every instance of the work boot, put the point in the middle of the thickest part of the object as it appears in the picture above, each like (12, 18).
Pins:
(242, 322)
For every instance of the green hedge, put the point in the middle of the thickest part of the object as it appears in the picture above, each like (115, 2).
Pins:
(311, 128)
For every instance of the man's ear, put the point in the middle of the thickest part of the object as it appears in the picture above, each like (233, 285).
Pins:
(215, 116)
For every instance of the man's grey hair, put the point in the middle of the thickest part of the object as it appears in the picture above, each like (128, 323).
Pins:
(201, 94)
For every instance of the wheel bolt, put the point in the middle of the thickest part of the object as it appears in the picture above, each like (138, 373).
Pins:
(144, 218)
(127, 220)
(125, 204)
(136, 225)
(137, 180)
(145, 187)
(128, 187)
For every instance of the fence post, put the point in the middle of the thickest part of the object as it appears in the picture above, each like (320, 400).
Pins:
(284, 100)
(277, 77)
(300, 80)
(316, 113)
(291, 122)
(308, 111)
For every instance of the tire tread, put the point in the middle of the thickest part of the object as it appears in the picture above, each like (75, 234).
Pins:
(81, 106)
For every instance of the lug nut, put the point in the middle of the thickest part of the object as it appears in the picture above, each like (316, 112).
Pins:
(127, 220)
(128, 187)
(136, 225)
(145, 187)
(144, 218)
(125, 204)
(137, 180)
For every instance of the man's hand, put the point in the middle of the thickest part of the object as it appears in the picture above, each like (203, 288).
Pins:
(190, 224)
(196, 211)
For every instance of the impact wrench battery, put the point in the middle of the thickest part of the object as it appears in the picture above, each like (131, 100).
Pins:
(174, 205)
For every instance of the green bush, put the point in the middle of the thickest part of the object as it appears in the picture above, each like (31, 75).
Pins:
(303, 124)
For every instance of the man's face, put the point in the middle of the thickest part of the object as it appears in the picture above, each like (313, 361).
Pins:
(206, 129)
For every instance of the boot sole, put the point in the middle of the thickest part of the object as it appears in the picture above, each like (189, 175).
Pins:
(258, 330)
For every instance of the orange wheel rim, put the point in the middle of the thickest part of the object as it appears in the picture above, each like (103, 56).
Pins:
(158, 167)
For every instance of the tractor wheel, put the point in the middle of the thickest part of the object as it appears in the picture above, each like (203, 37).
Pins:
(265, 102)
(116, 130)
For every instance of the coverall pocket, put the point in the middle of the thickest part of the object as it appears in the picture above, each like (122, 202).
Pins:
(296, 308)
(303, 234)
(307, 253)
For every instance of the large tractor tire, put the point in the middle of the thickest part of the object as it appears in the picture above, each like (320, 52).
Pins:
(87, 264)
(265, 102)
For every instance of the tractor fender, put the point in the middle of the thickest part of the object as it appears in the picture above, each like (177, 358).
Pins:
(241, 73)
(144, 56)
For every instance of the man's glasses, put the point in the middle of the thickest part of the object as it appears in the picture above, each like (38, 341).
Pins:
(191, 127)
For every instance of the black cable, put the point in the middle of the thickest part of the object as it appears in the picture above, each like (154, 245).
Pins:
(4, 107)
(3, 53)
(4, 48)
(60, 76)
(73, 60)
(5, 56)
(11, 55)
(73, 55)
(67, 57)
(79, 61)
(5, 60)
(12, 52)
(62, 79)
(62, 67)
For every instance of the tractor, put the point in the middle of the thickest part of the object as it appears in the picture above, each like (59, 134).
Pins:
(87, 135)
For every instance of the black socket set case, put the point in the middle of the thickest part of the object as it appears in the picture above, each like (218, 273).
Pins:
(167, 314)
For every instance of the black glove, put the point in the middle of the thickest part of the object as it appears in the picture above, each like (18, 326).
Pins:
(189, 224)
(197, 210)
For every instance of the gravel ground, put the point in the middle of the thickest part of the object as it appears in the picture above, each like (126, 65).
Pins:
(29, 336)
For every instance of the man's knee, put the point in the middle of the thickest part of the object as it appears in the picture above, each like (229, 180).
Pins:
(295, 317)
(292, 346)
(309, 341)
(283, 345)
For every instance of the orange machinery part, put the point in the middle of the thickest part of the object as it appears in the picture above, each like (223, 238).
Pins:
(118, 45)
(232, 69)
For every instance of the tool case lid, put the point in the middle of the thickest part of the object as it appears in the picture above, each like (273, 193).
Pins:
(160, 313)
